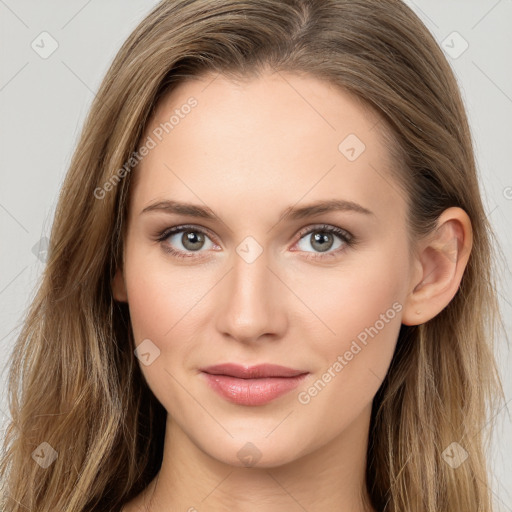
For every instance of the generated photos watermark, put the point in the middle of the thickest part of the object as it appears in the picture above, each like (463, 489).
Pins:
(356, 347)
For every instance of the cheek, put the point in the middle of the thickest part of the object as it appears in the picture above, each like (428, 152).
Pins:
(162, 302)
(353, 297)
(161, 296)
(360, 309)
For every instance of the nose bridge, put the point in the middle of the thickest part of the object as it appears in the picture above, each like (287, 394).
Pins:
(250, 279)
(252, 306)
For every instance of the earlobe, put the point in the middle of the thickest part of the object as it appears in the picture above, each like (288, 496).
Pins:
(442, 259)
(119, 286)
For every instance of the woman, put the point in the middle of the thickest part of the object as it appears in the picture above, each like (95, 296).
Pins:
(269, 283)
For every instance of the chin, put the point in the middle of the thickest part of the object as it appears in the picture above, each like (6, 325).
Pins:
(256, 451)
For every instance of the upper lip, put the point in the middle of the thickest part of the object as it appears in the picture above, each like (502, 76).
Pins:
(252, 372)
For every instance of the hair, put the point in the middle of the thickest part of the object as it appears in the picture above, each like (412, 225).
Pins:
(74, 382)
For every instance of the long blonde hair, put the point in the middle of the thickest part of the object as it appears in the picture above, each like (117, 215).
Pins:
(74, 382)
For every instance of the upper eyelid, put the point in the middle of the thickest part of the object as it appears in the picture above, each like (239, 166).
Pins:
(184, 227)
(319, 227)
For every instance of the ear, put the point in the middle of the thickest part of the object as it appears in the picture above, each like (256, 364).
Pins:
(119, 286)
(441, 259)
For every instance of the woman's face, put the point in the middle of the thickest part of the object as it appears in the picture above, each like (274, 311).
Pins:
(255, 286)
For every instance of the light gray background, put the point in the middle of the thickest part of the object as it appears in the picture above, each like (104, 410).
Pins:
(44, 102)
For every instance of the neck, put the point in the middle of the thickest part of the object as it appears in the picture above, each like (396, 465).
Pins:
(329, 477)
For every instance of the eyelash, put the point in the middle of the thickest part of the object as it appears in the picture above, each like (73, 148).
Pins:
(347, 238)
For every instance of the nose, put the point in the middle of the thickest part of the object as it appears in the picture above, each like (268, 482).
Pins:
(252, 301)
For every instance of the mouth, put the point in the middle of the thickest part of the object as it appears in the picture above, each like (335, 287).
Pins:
(255, 385)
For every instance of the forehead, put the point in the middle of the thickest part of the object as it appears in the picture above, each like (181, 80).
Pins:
(279, 136)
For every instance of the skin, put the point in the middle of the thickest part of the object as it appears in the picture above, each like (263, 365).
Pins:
(248, 151)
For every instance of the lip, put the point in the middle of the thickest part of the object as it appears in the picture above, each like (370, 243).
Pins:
(253, 385)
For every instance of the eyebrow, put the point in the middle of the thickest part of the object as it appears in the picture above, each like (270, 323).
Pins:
(292, 212)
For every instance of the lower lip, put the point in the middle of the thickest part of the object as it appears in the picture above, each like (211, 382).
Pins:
(252, 391)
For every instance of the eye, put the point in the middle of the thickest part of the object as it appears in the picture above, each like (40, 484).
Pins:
(191, 239)
(323, 238)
